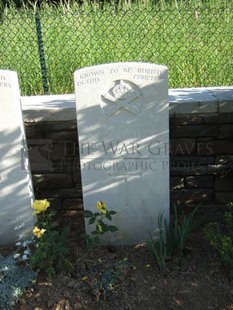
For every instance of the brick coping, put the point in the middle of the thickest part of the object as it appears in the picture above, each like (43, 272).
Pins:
(182, 101)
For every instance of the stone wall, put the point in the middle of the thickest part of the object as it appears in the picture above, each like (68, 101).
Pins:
(201, 159)
(201, 147)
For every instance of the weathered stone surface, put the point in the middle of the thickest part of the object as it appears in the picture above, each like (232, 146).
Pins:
(185, 169)
(63, 136)
(224, 94)
(40, 155)
(176, 182)
(191, 131)
(65, 166)
(192, 160)
(224, 183)
(224, 163)
(34, 131)
(222, 146)
(47, 181)
(223, 170)
(192, 101)
(48, 108)
(182, 146)
(214, 147)
(199, 181)
(63, 150)
(61, 126)
(72, 204)
(75, 192)
(224, 159)
(226, 131)
(39, 141)
(220, 118)
(191, 165)
(205, 146)
(55, 203)
(190, 196)
(224, 197)
(185, 120)
(226, 105)
(77, 177)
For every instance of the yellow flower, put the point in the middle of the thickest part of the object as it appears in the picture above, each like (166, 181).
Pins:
(40, 205)
(38, 232)
(101, 206)
(84, 278)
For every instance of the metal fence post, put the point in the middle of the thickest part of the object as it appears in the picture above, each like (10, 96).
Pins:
(41, 53)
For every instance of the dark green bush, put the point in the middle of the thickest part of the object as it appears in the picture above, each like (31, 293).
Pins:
(220, 236)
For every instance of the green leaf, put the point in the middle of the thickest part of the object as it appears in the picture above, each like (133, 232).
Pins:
(112, 228)
(108, 216)
(87, 213)
(101, 223)
(92, 220)
(104, 230)
(112, 212)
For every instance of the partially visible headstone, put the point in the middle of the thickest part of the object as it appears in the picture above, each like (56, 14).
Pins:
(16, 192)
(122, 115)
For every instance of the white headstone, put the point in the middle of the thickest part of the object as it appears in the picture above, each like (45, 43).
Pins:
(122, 115)
(16, 192)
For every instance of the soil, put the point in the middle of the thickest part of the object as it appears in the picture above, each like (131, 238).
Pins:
(129, 278)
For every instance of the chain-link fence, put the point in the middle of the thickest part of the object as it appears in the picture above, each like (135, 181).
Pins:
(45, 47)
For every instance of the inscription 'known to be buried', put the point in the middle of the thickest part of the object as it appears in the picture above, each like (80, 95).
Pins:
(141, 74)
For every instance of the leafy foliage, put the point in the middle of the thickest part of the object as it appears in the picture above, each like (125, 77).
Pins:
(172, 238)
(51, 251)
(221, 239)
(14, 279)
(101, 227)
(51, 246)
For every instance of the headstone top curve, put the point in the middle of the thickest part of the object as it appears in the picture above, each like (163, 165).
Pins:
(132, 63)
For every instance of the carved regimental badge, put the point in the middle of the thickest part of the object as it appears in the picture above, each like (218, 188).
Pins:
(123, 102)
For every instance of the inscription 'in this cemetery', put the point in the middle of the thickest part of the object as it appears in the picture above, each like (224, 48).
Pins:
(3, 82)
